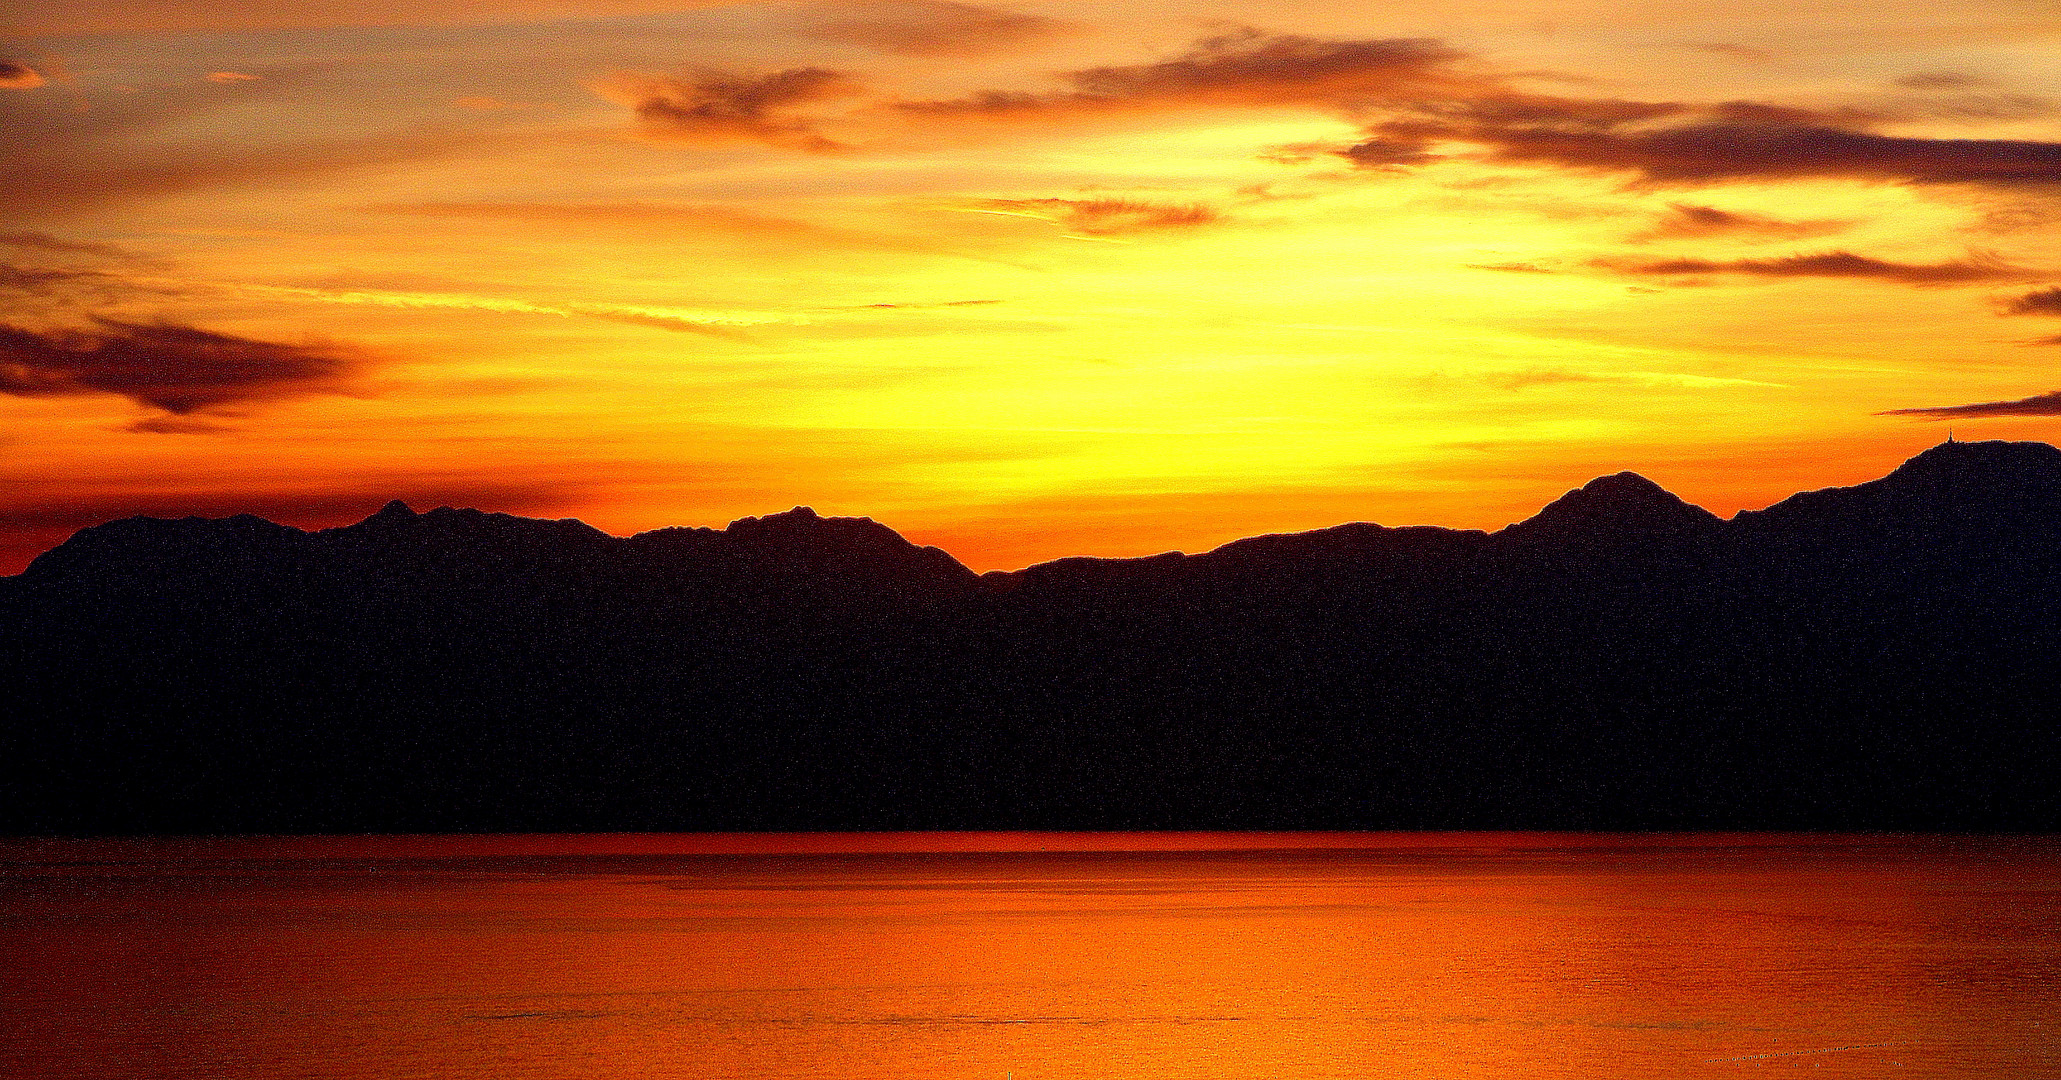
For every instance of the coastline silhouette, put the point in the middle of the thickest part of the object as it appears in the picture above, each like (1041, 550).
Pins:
(1882, 656)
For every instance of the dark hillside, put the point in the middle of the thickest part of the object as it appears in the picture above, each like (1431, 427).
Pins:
(1881, 656)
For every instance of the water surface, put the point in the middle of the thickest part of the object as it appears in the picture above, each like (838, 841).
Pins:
(1037, 957)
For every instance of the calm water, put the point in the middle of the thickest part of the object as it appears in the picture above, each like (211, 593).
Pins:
(970, 956)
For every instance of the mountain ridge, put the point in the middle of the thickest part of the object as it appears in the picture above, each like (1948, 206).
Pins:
(1877, 656)
(1624, 500)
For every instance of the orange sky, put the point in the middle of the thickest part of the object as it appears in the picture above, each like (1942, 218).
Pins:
(1022, 281)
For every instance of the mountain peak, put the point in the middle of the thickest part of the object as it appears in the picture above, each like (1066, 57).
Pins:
(393, 513)
(1990, 457)
(1626, 485)
(800, 520)
(844, 547)
(1617, 503)
(1953, 487)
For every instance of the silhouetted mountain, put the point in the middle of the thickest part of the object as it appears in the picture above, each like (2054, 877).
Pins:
(1621, 509)
(1879, 656)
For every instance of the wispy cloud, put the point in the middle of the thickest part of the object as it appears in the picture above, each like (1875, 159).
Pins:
(1101, 217)
(1691, 220)
(38, 241)
(1837, 264)
(1730, 49)
(722, 109)
(1940, 80)
(1242, 68)
(763, 233)
(930, 27)
(693, 320)
(1418, 100)
(1518, 380)
(66, 175)
(1731, 143)
(2047, 404)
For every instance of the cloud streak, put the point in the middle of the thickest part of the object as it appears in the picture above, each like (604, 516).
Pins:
(53, 178)
(692, 320)
(2047, 404)
(1241, 69)
(763, 234)
(1419, 100)
(930, 27)
(2038, 302)
(175, 368)
(1692, 220)
(1838, 264)
(37, 241)
(717, 109)
(1730, 143)
(1101, 217)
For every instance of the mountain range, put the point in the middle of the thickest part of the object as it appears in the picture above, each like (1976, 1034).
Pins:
(1883, 656)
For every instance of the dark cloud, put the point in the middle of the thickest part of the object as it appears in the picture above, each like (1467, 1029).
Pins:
(2040, 302)
(717, 109)
(1842, 264)
(175, 425)
(1097, 217)
(1432, 97)
(2047, 404)
(1384, 154)
(178, 369)
(1685, 220)
(930, 27)
(1248, 66)
(1768, 146)
(1418, 95)
(1245, 68)
(1419, 100)
(15, 75)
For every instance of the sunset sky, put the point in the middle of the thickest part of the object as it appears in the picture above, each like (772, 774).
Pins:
(1022, 281)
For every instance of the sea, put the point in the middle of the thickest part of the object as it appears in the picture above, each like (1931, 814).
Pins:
(1032, 956)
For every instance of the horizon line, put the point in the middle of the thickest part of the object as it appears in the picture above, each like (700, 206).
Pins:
(802, 508)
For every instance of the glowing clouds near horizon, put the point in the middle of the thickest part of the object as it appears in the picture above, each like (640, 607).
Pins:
(1026, 279)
